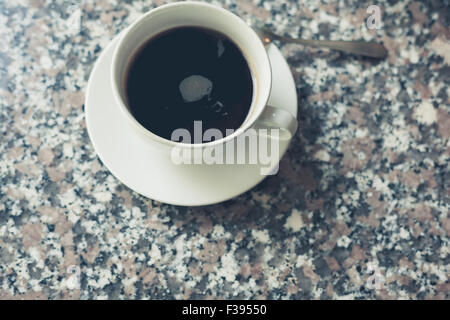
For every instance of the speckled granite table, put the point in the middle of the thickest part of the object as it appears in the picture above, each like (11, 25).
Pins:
(359, 208)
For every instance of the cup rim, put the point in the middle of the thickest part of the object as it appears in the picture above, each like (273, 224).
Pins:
(264, 97)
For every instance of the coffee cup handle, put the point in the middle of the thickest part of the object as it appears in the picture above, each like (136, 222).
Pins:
(273, 118)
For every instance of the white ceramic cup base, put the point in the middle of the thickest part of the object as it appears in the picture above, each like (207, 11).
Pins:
(136, 164)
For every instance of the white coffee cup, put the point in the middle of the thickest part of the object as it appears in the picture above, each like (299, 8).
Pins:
(205, 15)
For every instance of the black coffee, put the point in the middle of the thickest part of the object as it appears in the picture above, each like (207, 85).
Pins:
(189, 74)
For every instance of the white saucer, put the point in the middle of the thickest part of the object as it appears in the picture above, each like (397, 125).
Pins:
(135, 164)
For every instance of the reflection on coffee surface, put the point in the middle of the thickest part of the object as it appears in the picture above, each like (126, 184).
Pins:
(189, 74)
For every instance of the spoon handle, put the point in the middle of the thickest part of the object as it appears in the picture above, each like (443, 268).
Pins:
(369, 49)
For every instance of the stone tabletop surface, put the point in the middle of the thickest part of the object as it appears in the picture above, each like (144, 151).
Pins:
(358, 210)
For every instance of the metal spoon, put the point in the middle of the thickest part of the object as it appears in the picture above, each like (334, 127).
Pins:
(363, 48)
